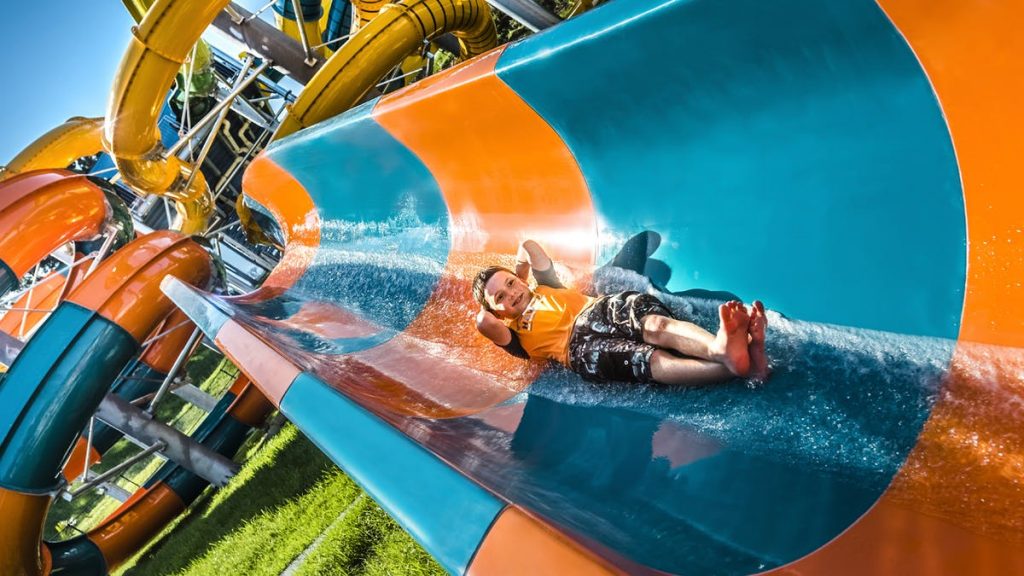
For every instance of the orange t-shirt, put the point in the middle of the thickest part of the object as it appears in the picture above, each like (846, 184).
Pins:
(546, 324)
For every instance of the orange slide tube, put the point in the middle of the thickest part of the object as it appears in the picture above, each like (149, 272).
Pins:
(37, 220)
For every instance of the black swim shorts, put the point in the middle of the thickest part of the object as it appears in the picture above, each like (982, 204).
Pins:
(607, 341)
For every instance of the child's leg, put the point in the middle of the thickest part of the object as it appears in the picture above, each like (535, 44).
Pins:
(669, 369)
(684, 337)
(758, 326)
(728, 347)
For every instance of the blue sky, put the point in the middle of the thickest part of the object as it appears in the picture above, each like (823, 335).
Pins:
(59, 61)
(60, 57)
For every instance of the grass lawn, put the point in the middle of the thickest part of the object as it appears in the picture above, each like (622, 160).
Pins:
(287, 496)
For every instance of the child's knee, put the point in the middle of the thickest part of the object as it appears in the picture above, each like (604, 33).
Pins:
(655, 325)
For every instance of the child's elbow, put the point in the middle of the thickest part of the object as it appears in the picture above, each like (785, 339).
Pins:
(482, 321)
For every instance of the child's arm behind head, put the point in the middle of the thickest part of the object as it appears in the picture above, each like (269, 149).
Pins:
(531, 255)
(494, 329)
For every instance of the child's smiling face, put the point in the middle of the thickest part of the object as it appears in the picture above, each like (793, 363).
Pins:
(507, 295)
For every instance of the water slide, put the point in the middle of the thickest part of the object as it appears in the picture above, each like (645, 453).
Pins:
(830, 169)
(831, 159)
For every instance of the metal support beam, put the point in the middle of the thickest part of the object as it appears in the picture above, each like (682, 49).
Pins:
(527, 13)
(190, 345)
(215, 112)
(267, 42)
(195, 396)
(113, 472)
(114, 491)
(180, 449)
(310, 58)
(10, 347)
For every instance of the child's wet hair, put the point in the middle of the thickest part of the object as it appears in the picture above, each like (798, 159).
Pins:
(480, 281)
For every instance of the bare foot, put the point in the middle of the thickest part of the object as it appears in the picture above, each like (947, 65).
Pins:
(755, 330)
(730, 344)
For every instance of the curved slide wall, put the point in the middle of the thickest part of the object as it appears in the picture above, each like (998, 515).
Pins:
(824, 157)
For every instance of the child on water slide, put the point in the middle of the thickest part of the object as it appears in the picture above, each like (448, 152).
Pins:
(626, 336)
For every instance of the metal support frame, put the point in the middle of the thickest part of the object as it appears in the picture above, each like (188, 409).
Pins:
(215, 112)
(235, 16)
(113, 472)
(221, 117)
(186, 110)
(257, 13)
(252, 149)
(28, 301)
(527, 13)
(335, 41)
(301, 21)
(177, 326)
(266, 41)
(88, 449)
(391, 79)
(111, 235)
(179, 448)
(178, 362)
(195, 396)
(428, 66)
(8, 299)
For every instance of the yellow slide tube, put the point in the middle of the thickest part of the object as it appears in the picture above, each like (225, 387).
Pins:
(137, 8)
(366, 11)
(159, 46)
(396, 32)
(59, 147)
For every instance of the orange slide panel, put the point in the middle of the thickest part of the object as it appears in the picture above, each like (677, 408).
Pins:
(176, 330)
(75, 465)
(127, 278)
(519, 543)
(250, 407)
(262, 364)
(474, 168)
(135, 522)
(20, 321)
(21, 531)
(287, 199)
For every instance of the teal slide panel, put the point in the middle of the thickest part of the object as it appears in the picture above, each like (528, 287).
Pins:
(8, 281)
(311, 9)
(77, 557)
(447, 513)
(791, 151)
(51, 391)
(375, 199)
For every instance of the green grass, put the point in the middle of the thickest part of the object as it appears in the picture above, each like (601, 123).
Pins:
(286, 496)
(367, 541)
